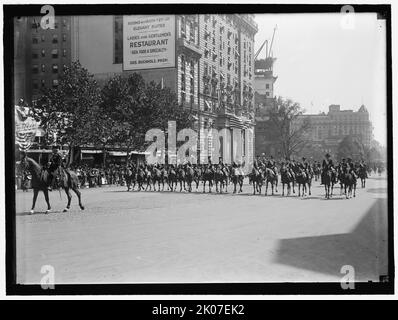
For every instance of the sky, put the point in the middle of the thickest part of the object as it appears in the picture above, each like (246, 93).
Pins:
(319, 62)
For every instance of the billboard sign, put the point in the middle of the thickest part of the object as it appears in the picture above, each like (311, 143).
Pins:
(148, 42)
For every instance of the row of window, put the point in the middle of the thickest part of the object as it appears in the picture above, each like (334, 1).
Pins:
(54, 53)
(35, 39)
(54, 83)
(54, 68)
(36, 24)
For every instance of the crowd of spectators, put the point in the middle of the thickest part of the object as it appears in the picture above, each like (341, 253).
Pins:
(96, 176)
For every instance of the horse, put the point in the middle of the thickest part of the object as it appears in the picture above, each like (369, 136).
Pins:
(130, 177)
(41, 180)
(172, 178)
(189, 176)
(257, 178)
(164, 176)
(328, 177)
(362, 174)
(208, 176)
(350, 182)
(221, 177)
(156, 177)
(181, 177)
(197, 176)
(286, 179)
(140, 178)
(271, 177)
(237, 178)
(303, 179)
(317, 172)
(148, 178)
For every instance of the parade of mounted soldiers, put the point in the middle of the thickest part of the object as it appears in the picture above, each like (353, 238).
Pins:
(295, 176)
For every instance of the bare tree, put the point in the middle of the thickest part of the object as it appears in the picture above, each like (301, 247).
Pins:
(287, 118)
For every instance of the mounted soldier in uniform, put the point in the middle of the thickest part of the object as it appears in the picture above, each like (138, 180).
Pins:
(55, 163)
(327, 164)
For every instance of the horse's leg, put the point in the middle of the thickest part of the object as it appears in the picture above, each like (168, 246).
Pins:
(35, 193)
(47, 200)
(204, 185)
(79, 198)
(69, 199)
(355, 188)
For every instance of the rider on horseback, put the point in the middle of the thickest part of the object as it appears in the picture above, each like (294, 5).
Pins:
(351, 168)
(54, 164)
(327, 164)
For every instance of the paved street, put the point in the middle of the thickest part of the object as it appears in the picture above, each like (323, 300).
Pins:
(179, 237)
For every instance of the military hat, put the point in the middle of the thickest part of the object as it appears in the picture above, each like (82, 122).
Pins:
(304, 158)
(55, 147)
(343, 159)
(327, 155)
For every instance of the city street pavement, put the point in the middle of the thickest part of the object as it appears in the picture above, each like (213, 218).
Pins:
(136, 237)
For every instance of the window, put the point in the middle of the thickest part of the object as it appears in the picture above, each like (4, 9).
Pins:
(267, 93)
(192, 89)
(35, 40)
(43, 53)
(35, 55)
(267, 86)
(64, 23)
(55, 38)
(35, 68)
(192, 69)
(64, 52)
(43, 83)
(205, 69)
(43, 38)
(182, 64)
(183, 97)
(183, 82)
(35, 84)
(43, 68)
(55, 68)
(64, 37)
(55, 83)
(54, 53)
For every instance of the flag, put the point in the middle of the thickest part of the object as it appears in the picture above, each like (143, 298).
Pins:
(162, 83)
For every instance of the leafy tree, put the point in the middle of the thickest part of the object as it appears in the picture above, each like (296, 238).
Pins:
(134, 107)
(349, 147)
(291, 126)
(67, 110)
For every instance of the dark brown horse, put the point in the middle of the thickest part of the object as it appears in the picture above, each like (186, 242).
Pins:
(41, 179)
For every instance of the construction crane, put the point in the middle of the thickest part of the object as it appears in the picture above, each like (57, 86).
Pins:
(268, 54)
(262, 46)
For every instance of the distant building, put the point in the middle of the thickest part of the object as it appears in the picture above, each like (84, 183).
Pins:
(328, 130)
(42, 54)
(266, 135)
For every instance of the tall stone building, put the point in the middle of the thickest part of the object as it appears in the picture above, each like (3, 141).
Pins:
(212, 74)
(40, 56)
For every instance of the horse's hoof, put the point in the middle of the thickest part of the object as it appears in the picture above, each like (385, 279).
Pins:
(65, 210)
(82, 207)
(47, 211)
(31, 212)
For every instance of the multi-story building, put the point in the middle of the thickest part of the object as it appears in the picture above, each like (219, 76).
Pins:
(327, 130)
(45, 53)
(266, 135)
(210, 67)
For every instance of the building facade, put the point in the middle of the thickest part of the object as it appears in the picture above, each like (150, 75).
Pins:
(41, 56)
(213, 74)
(327, 130)
(266, 135)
